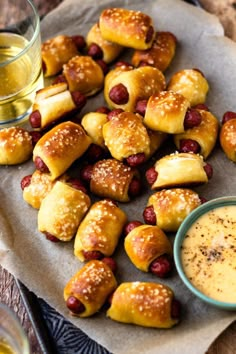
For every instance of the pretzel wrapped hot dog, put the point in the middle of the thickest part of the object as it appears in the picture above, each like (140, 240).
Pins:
(16, 146)
(191, 83)
(128, 28)
(92, 123)
(99, 232)
(61, 211)
(53, 103)
(124, 86)
(179, 170)
(83, 74)
(112, 179)
(60, 147)
(169, 207)
(144, 304)
(228, 135)
(56, 52)
(161, 53)
(126, 136)
(100, 48)
(149, 249)
(200, 139)
(87, 291)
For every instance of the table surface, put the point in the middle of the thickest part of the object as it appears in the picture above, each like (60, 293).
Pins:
(9, 289)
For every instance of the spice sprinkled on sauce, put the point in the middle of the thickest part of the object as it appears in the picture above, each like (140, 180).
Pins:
(209, 254)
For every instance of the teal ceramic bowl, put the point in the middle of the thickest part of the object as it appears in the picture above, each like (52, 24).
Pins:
(180, 237)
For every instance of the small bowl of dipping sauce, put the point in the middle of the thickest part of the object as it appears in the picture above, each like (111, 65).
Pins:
(205, 252)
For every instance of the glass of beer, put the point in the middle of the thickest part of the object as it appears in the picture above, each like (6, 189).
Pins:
(20, 60)
(13, 339)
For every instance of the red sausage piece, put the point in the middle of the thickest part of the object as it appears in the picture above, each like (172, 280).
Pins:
(119, 94)
(95, 51)
(131, 225)
(25, 182)
(151, 175)
(149, 215)
(192, 119)
(35, 119)
(40, 165)
(75, 305)
(189, 145)
(161, 266)
(134, 187)
(136, 159)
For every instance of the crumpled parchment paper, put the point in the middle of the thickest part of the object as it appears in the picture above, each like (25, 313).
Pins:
(45, 267)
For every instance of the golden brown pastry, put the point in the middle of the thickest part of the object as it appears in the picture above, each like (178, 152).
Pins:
(156, 140)
(38, 187)
(228, 139)
(56, 52)
(128, 28)
(179, 170)
(99, 232)
(191, 83)
(166, 112)
(87, 291)
(125, 86)
(169, 207)
(110, 50)
(161, 53)
(83, 74)
(112, 179)
(15, 146)
(53, 103)
(61, 211)
(92, 123)
(126, 136)
(145, 304)
(148, 247)
(200, 139)
(59, 148)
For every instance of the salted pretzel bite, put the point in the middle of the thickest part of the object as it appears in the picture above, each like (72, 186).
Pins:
(100, 48)
(59, 148)
(126, 136)
(128, 28)
(53, 103)
(191, 83)
(228, 136)
(166, 112)
(148, 248)
(145, 304)
(93, 123)
(169, 207)
(125, 85)
(179, 170)
(56, 52)
(87, 291)
(100, 230)
(200, 139)
(83, 74)
(110, 178)
(61, 211)
(15, 146)
(161, 53)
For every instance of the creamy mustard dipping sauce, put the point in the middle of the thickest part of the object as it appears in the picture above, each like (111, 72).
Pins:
(209, 254)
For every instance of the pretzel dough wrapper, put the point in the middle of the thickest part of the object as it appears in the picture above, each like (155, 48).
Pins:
(61, 146)
(111, 179)
(15, 146)
(56, 52)
(53, 102)
(62, 210)
(92, 123)
(40, 185)
(140, 83)
(125, 135)
(83, 74)
(228, 139)
(146, 243)
(110, 50)
(128, 28)
(166, 112)
(191, 84)
(171, 206)
(180, 169)
(91, 285)
(161, 53)
(100, 230)
(144, 304)
(205, 134)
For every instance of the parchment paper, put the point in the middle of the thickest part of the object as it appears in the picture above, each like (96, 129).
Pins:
(45, 267)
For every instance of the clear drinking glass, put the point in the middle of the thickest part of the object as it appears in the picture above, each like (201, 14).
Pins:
(12, 336)
(20, 60)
